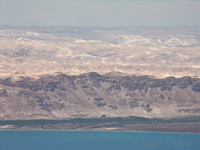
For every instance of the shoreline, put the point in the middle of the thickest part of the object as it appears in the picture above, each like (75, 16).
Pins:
(192, 127)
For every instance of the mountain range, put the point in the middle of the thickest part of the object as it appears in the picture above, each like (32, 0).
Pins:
(70, 72)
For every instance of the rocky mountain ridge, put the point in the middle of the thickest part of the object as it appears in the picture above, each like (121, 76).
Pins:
(89, 95)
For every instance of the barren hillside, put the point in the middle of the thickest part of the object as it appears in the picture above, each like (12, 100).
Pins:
(69, 72)
(160, 51)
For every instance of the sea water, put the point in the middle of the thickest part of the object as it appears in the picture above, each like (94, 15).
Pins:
(97, 140)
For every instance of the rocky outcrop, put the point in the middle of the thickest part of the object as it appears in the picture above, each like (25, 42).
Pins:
(3, 92)
(92, 95)
(196, 87)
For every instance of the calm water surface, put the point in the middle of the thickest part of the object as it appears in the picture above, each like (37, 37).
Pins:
(97, 140)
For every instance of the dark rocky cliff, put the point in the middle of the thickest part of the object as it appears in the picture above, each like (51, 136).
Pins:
(93, 95)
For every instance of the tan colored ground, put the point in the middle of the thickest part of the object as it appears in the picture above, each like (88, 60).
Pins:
(164, 127)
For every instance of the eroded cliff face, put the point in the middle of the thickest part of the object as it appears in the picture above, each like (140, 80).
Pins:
(93, 95)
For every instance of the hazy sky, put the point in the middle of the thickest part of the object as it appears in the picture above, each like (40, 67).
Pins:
(104, 13)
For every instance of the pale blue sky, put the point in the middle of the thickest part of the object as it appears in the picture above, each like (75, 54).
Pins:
(101, 13)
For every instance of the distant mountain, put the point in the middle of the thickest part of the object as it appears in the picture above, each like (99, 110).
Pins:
(157, 51)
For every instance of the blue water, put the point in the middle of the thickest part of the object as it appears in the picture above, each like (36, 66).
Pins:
(97, 140)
